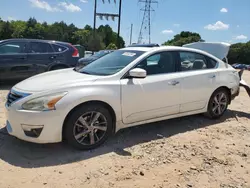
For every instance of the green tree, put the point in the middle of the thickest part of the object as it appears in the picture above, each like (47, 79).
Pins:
(239, 53)
(81, 36)
(95, 43)
(111, 46)
(19, 28)
(6, 30)
(184, 37)
(62, 32)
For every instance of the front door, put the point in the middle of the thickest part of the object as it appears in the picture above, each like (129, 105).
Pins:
(13, 60)
(199, 80)
(155, 96)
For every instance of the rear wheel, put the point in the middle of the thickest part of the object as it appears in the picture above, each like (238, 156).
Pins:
(218, 103)
(88, 127)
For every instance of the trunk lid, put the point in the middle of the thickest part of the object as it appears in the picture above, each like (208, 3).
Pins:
(217, 49)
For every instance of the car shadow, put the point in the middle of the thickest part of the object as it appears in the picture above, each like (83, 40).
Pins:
(7, 85)
(28, 155)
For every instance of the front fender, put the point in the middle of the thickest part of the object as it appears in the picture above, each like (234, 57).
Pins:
(110, 95)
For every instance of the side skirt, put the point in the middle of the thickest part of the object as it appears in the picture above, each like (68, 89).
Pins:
(120, 125)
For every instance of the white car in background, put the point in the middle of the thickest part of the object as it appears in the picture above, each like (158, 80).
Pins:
(128, 87)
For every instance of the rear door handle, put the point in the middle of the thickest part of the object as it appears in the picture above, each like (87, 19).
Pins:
(212, 76)
(173, 83)
(22, 57)
(53, 57)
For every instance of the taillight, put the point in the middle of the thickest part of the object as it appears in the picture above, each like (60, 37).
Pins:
(75, 52)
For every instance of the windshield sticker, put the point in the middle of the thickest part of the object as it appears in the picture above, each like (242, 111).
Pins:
(129, 54)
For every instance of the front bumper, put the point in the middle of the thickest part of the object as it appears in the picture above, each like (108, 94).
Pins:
(47, 125)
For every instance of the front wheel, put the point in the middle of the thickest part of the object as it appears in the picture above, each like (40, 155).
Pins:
(88, 126)
(218, 103)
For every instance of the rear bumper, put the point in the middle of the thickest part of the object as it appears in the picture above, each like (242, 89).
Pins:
(246, 86)
(235, 94)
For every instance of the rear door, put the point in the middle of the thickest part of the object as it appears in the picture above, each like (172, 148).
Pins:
(199, 80)
(61, 52)
(13, 60)
(41, 55)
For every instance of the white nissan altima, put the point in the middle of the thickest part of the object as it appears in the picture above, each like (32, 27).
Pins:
(128, 87)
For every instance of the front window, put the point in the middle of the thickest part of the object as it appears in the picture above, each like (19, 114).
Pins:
(13, 48)
(159, 63)
(111, 63)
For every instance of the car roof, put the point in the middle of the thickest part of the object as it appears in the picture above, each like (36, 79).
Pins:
(34, 40)
(145, 45)
(144, 49)
(174, 48)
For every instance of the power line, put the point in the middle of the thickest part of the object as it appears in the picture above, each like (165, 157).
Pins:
(146, 21)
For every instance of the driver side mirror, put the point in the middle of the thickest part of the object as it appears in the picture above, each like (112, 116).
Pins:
(137, 73)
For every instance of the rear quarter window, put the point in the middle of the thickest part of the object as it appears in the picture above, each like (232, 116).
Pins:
(59, 48)
(212, 63)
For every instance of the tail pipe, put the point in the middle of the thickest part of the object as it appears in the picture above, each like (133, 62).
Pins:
(243, 83)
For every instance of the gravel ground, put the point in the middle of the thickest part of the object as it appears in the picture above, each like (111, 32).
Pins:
(185, 152)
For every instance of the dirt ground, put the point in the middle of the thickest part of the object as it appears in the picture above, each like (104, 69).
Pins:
(185, 152)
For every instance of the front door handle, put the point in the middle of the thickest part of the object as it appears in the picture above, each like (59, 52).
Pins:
(173, 83)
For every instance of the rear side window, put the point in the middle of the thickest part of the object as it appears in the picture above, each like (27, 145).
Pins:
(13, 48)
(40, 47)
(194, 61)
(59, 48)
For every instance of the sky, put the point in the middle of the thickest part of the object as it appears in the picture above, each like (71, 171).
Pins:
(215, 20)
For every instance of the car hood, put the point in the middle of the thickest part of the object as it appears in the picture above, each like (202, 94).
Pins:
(217, 49)
(87, 59)
(53, 80)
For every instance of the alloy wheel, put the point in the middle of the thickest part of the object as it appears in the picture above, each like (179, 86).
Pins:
(90, 128)
(220, 102)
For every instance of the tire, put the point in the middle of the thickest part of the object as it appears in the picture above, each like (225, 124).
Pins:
(84, 131)
(218, 104)
(57, 67)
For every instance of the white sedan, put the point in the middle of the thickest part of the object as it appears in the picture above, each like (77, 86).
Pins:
(128, 87)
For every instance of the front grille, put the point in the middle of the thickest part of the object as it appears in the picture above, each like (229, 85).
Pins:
(14, 96)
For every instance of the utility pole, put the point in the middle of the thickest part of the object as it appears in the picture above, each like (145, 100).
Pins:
(94, 27)
(95, 17)
(131, 33)
(107, 16)
(146, 21)
(119, 24)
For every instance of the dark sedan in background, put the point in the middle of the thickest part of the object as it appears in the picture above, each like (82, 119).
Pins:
(22, 58)
(87, 60)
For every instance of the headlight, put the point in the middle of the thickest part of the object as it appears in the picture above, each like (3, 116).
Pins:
(44, 103)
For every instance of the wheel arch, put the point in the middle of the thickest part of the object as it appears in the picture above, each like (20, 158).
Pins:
(110, 109)
(225, 88)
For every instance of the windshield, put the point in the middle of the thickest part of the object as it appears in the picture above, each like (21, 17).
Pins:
(111, 63)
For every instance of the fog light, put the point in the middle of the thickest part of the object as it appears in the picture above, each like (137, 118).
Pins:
(32, 130)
